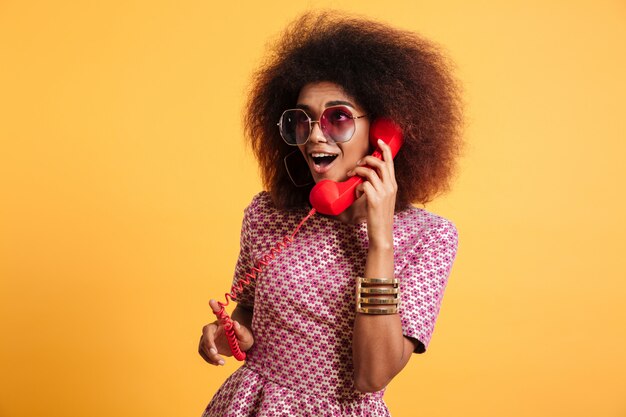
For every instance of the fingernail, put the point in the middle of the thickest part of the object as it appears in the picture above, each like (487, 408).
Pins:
(237, 325)
(359, 162)
(221, 362)
(213, 351)
(381, 142)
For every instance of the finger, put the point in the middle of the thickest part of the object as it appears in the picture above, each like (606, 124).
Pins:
(371, 161)
(380, 166)
(210, 356)
(214, 306)
(206, 359)
(244, 336)
(370, 193)
(242, 333)
(212, 347)
(208, 333)
(214, 356)
(385, 170)
(239, 331)
(208, 345)
(204, 352)
(387, 157)
(371, 176)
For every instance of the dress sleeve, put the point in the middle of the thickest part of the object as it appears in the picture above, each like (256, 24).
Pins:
(423, 281)
(245, 260)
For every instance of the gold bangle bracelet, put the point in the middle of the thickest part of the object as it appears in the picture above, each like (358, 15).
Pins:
(377, 290)
(388, 281)
(367, 290)
(368, 310)
(378, 300)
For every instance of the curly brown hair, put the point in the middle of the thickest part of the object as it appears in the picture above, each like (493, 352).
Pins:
(389, 72)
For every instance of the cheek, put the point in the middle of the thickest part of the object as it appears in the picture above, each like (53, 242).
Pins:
(357, 149)
(364, 141)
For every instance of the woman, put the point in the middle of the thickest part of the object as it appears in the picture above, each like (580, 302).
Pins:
(312, 348)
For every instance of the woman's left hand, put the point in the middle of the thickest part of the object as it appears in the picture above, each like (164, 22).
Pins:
(380, 189)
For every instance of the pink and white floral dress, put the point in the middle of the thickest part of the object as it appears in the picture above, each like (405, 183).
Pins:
(301, 361)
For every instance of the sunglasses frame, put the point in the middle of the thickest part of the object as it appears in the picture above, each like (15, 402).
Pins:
(311, 121)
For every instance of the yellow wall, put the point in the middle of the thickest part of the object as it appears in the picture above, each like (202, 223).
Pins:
(123, 179)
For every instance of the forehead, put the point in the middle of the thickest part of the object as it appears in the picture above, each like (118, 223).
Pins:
(324, 94)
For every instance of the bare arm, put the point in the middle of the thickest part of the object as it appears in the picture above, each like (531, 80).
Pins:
(379, 349)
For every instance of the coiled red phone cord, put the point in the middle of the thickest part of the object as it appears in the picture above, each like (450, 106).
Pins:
(222, 315)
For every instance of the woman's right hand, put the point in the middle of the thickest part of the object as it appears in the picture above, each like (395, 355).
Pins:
(213, 344)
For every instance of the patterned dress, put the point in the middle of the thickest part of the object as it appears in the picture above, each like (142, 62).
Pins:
(304, 302)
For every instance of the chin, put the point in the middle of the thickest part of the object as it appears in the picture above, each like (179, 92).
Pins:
(329, 176)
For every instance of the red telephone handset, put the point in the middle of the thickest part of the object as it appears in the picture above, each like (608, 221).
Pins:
(332, 198)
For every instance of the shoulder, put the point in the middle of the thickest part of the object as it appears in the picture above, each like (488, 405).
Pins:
(420, 226)
(416, 215)
(261, 204)
(261, 200)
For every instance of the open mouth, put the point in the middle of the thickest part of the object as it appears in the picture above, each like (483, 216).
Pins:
(323, 160)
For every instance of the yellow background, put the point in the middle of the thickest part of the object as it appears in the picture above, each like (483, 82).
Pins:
(123, 178)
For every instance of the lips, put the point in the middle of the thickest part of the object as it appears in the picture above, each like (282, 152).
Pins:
(322, 161)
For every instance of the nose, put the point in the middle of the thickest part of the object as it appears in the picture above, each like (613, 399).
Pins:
(316, 132)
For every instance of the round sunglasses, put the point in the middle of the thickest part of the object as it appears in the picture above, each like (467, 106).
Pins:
(337, 124)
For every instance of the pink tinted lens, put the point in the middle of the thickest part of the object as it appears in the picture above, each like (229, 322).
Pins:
(337, 123)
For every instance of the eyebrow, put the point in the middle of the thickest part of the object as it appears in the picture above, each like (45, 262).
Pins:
(329, 104)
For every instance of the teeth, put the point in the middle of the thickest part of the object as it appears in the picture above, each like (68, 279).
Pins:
(321, 155)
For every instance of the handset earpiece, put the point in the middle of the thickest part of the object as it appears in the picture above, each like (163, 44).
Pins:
(389, 132)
